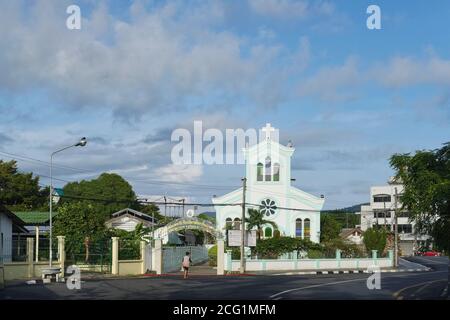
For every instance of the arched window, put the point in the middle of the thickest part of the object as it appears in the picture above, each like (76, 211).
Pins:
(268, 169)
(237, 224)
(307, 229)
(259, 172)
(268, 232)
(298, 228)
(228, 224)
(276, 172)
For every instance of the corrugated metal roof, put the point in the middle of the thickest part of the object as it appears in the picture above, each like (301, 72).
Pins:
(35, 217)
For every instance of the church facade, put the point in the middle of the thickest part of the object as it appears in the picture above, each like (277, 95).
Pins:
(268, 188)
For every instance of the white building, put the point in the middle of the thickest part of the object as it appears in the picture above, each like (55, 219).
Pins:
(268, 174)
(10, 224)
(380, 212)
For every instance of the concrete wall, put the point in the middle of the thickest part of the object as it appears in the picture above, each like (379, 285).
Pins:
(307, 264)
(130, 267)
(20, 270)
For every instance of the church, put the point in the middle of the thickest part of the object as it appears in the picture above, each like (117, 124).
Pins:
(268, 188)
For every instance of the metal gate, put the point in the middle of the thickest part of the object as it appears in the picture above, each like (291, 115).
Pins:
(172, 256)
(94, 258)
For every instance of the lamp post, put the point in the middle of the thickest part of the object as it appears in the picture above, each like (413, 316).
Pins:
(81, 143)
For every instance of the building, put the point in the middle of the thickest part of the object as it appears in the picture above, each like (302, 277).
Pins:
(352, 235)
(380, 212)
(10, 227)
(268, 188)
(127, 220)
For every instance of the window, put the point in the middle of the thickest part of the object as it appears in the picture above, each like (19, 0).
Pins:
(268, 207)
(381, 214)
(237, 224)
(307, 229)
(298, 228)
(382, 198)
(404, 228)
(276, 172)
(259, 172)
(268, 169)
(228, 224)
(268, 232)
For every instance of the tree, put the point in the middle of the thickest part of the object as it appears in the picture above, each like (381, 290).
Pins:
(256, 219)
(375, 239)
(81, 224)
(21, 191)
(108, 193)
(426, 179)
(329, 228)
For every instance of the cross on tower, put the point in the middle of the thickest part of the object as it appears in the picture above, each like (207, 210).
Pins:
(268, 129)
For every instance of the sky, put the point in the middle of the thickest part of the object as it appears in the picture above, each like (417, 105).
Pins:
(346, 96)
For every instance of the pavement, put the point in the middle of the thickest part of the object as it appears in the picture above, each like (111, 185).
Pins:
(432, 284)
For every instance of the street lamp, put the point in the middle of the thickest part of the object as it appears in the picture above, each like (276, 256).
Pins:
(81, 143)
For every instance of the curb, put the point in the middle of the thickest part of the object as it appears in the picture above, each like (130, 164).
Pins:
(346, 272)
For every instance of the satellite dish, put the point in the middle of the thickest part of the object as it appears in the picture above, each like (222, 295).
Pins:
(190, 213)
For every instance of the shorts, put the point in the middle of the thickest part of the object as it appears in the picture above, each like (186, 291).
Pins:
(186, 268)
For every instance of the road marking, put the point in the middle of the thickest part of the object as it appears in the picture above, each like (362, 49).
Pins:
(315, 286)
(422, 285)
(346, 281)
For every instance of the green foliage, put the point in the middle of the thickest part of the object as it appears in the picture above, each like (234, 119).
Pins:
(203, 216)
(212, 256)
(329, 227)
(21, 191)
(348, 250)
(344, 218)
(273, 247)
(116, 192)
(256, 219)
(78, 221)
(375, 239)
(426, 179)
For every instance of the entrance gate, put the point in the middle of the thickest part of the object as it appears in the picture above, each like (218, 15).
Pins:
(95, 258)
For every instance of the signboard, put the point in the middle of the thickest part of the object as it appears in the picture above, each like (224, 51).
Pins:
(234, 238)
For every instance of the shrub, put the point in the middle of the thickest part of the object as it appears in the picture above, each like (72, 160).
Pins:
(315, 254)
(273, 247)
(375, 239)
(212, 256)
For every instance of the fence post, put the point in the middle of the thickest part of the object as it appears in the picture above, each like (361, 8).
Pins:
(143, 245)
(61, 253)
(36, 228)
(374, 256)
(158, 256)
(220, 257)
(338, 257)
(229, 262)
(115, 256)
(30, 257)
(391, 256)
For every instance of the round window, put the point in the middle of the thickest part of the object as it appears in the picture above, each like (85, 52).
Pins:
(268, 207)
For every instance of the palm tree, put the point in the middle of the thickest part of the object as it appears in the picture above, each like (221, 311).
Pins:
(256, 219)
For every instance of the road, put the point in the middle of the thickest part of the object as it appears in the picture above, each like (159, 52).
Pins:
(401, 286)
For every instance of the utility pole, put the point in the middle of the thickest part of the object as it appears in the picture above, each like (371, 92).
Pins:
(395, 230)
(244, 187)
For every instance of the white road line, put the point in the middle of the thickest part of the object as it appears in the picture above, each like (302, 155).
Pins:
(345, 281)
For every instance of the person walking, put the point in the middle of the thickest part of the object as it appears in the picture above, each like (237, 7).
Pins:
(186, 264)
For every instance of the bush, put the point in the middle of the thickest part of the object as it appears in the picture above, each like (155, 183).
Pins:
(212, 256)
(375, 239)
(272, 248)
(315, 254)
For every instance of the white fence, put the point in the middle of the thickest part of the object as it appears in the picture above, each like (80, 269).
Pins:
(308, 264)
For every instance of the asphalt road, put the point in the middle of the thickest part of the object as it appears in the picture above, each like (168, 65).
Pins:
(401, 286)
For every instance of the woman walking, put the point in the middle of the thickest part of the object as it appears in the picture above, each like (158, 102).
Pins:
(186, 263)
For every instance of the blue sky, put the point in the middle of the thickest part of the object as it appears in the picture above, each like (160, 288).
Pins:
(348, 97)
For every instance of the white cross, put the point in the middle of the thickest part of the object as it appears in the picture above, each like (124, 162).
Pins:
(268, 129)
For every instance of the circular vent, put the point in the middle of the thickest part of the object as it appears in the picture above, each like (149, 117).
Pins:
(268, 207)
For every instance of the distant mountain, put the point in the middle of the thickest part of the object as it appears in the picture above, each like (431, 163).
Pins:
(353, 209)
(211, 214)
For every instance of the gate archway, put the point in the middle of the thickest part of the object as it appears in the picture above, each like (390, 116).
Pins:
(187, 223)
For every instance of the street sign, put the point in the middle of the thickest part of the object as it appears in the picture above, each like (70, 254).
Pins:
(234, 238)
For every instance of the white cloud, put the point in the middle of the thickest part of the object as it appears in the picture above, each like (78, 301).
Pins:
(179, 173)
(290, 8)
(161, 59)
